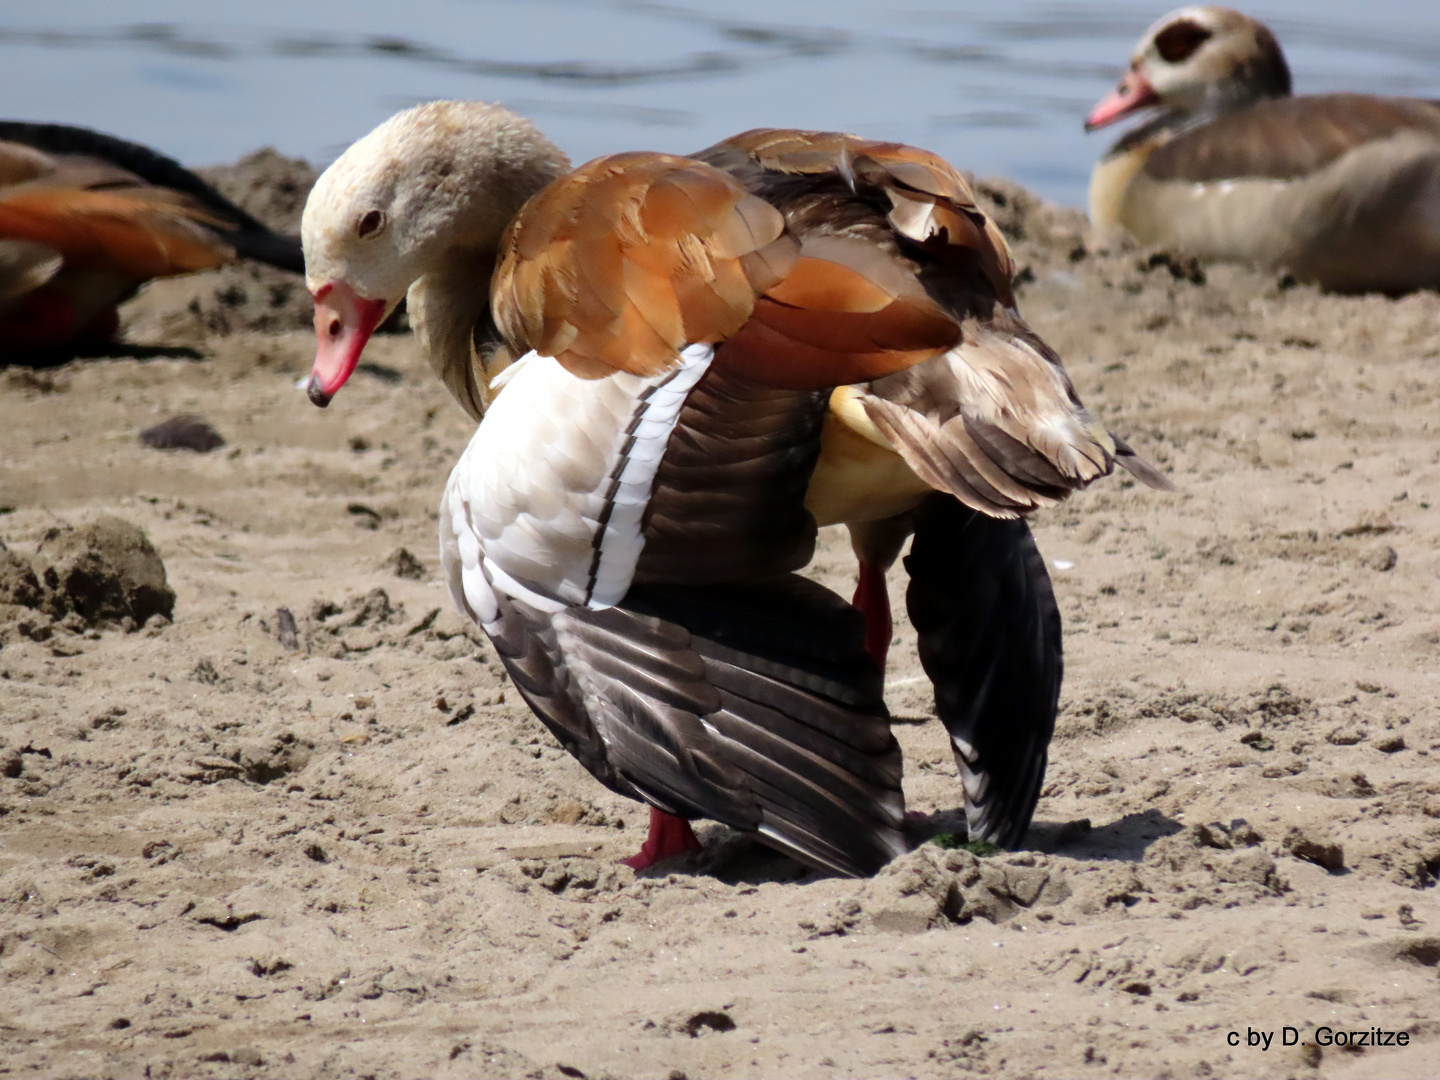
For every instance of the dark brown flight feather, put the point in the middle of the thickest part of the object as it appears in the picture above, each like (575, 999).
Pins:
(754, 705)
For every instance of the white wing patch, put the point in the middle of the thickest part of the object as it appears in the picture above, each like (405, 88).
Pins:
(546, 503)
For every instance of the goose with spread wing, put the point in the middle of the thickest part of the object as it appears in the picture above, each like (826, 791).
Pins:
(684, 365)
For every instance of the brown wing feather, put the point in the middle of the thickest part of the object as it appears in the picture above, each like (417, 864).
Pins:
(753, 704)
(844, 314)
(996, 423)
(1288, 137)
(621, 264)
(930, 202)
(147, 232)
(904, 286)
(894, 253)
(727, 504)
(859, 305)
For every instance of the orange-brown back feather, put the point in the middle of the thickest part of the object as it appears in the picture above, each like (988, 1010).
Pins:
(931, 203)
(844, 314)
(621, 264)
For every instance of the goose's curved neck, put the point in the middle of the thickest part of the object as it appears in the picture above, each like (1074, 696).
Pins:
(1166, 124)
(450, 301)
(449, 309)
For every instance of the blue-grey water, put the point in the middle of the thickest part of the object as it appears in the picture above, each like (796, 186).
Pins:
(996, 87)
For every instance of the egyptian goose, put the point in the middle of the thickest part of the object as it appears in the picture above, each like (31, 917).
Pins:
(1339, 189)
(86, 218)
(655, 345)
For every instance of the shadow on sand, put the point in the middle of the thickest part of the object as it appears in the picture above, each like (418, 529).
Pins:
(738, 859)
(109, 350)
(1123, 840)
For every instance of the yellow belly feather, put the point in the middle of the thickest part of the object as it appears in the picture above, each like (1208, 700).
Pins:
(858, 477)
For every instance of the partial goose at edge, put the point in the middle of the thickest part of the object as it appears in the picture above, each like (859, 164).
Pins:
(1339, 189)
(86, 218)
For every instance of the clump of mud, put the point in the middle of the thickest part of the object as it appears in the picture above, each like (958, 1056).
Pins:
(184, 432)
(19, 587)
(188, 312)
(104, 574)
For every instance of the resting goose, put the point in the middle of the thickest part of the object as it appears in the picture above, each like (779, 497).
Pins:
(86, 218)
(683, 365)
(1338, 189)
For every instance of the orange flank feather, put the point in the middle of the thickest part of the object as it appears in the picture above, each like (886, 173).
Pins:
(621, 264)
(830, 285)
(846, 313)
(145, 233)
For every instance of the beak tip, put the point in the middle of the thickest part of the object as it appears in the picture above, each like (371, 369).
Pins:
(318, 397)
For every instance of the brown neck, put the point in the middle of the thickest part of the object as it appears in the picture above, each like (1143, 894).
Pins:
(450, 310)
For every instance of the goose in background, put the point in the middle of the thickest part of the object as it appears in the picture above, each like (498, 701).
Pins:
(1339, 189)
(684, 365)
(86, 218)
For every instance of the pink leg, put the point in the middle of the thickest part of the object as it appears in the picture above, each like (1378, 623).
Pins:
(669, 835)
(872, 598)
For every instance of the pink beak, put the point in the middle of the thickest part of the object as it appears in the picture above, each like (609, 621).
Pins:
(343, 324)
(1132, 95)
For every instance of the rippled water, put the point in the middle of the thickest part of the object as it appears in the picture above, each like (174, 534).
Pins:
(995, 87)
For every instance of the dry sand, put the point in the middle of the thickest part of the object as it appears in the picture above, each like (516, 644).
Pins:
(230, 846)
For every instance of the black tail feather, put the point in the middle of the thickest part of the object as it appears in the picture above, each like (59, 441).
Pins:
(989, 637)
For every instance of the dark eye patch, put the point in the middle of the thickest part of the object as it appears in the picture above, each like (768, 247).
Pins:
(1178, 41)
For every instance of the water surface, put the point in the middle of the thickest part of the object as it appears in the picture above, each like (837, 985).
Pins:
(996, 88)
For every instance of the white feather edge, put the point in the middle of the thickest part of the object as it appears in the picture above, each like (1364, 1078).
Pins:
(976, 782)
(1052, 424)
(542, 395)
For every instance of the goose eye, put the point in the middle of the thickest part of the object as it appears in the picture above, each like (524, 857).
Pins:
(370, 223)
(1178, 41)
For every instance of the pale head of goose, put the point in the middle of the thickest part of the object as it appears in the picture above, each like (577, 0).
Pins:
(1198, 61)
(428, 192)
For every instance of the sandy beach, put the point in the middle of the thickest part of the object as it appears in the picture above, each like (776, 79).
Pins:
(297, 824)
